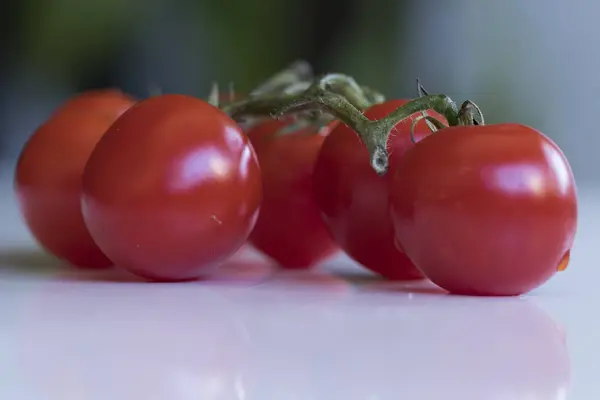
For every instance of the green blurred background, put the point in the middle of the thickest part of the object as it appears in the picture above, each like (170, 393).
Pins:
(531, 62)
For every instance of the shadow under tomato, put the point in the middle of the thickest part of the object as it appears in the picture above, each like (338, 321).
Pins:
(242, 271)
(366, 281)
(28, 260)
(359, 278)
(238, 272)
(406, 287)
(104, 276)
(311, 280)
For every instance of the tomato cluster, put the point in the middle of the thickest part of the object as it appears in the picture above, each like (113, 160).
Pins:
(170, 187)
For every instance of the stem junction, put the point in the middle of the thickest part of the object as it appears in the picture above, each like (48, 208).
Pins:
(341, 97)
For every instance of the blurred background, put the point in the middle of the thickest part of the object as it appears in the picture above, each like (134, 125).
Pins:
(530, 61)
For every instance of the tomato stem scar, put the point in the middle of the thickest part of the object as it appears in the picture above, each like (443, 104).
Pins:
(466, 114)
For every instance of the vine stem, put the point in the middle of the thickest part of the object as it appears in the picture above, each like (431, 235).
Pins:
(295, 72)
(320, 96)
(345, 86)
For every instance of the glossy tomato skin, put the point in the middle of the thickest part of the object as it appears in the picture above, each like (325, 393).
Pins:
(289, 229)
(485, 210)
(48, 175)
(354, 199)
(172, 189)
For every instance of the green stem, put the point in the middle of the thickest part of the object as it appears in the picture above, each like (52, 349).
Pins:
(319, 97)
(438, 102)
(346, 86)
(214, 95)
(373, 96)
(420, 89)
(297, 71)
(434, 125)
(467, 112)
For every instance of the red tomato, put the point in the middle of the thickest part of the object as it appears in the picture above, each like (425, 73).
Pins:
(354, 199)
(289, 228)
(261, 133)
(172, 189)
(485, 210)
(48, 175)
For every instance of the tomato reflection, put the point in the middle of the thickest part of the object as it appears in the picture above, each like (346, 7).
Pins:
(183, 341)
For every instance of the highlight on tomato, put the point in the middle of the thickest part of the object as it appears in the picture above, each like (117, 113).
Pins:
(172, 189)
(353, 199)
(485, 210)
(289, 229)
(48, 174)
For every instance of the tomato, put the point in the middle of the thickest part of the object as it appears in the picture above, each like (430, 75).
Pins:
(47, 179)
(485, 210)
(354, 199)
(261, 133)
(289, 229)
(172, 189)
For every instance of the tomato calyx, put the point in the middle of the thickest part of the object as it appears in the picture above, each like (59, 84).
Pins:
(214, 97)
(433, 123)
(469, 114)
(296, 72)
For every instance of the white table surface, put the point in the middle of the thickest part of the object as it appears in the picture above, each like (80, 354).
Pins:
(103, 336)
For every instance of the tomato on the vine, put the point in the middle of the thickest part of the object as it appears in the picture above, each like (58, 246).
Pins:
(485, 210)
(289, 229)
(354, 199)
(172, 189)
(47, 179)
